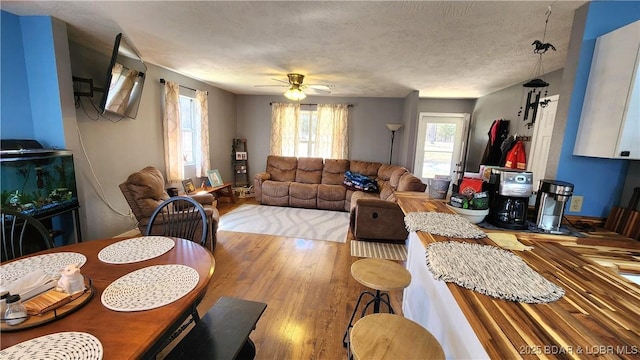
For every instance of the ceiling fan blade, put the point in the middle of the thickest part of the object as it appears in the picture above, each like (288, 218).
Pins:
(280, 80)
(281, 86)
(320, 87)
(316, 90)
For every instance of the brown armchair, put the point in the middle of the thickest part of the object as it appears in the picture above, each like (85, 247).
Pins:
(145, 190)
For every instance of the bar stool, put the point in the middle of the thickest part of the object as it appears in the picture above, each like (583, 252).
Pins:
(380, 275)
(388, 336)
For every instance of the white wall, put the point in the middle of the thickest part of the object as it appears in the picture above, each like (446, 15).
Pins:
(503, 104)
(114, 147)
(369, 138)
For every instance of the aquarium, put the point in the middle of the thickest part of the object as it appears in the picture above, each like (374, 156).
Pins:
(38, 182)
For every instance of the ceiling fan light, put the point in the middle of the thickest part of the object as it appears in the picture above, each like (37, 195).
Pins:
(294, 93)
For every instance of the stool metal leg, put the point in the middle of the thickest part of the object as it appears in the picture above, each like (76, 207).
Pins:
(353, 315)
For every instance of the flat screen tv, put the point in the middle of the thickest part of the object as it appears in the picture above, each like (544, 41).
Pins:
(124, 82)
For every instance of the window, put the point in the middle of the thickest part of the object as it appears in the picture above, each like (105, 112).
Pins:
(322, 132)
(307, 133)
(188, 124)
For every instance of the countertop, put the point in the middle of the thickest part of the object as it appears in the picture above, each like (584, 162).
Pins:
(598, 316)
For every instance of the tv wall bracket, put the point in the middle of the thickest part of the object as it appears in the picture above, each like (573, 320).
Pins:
(84, 87)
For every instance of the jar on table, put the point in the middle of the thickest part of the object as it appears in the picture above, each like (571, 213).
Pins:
(4, 294)
(16, 313)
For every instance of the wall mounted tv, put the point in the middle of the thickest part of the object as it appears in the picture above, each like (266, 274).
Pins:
(125, 79)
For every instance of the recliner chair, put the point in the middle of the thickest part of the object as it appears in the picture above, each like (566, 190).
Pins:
(144, 190)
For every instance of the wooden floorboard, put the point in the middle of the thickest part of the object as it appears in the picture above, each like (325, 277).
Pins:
(306, 284)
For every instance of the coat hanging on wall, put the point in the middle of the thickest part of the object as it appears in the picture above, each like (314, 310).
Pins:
(498, 132)
(516, 157)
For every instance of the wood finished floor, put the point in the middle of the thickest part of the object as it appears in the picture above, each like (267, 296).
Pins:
(306, 284)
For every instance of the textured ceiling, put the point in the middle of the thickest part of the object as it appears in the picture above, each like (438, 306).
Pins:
(443, 49)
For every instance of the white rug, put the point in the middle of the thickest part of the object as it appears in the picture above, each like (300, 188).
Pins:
(380, 250)
(287, 221)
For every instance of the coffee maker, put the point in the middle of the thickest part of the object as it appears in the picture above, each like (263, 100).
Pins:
(510, 198)
(550, 202)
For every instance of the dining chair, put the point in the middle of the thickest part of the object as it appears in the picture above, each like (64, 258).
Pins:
(179, 216)
(22, 234)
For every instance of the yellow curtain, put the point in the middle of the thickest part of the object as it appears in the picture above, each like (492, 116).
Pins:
(202, 156)
(172, 133)
(284, 129)
(332, 135)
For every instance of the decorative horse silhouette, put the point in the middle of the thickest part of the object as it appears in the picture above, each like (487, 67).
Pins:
(542, 48)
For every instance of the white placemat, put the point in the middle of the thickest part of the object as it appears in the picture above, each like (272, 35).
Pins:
(150, 287)
(136, 249)
(51, 264)
(62, 345)
(449, 225)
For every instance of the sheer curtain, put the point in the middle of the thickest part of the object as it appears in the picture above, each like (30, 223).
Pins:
(284, 129)
(202, 156)
(332, 135)
(172, 133)
(122, 82)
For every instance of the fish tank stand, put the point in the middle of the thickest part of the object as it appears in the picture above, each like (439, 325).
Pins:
(40, 183)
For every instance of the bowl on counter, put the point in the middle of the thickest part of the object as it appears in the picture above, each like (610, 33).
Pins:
(474, 216)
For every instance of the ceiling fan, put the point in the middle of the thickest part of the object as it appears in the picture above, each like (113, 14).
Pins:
(295, 87)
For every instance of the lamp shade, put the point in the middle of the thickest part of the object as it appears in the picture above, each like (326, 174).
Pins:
(294, 93)
(394, 127)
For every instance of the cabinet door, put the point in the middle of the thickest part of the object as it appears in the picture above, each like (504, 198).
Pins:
(608, 127)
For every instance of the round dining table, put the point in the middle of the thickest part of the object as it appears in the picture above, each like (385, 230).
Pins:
(125, 335)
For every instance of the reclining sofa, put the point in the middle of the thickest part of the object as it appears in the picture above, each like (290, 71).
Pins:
(317, 183)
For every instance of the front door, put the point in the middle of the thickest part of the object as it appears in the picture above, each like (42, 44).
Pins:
(440, 145)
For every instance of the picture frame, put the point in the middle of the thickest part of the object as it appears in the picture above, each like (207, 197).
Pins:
(241, 155)
(188, 186)
(214, 178)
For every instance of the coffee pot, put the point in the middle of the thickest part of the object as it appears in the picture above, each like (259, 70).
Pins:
(550, 202)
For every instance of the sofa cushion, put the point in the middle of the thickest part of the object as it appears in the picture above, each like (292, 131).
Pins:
(275, 193)
(332, 192)
(333, 171)
(282, 168)
(386, 192)
(303, 195)
(309, 170)
(408, 182)
(365, 168)
(394, 179)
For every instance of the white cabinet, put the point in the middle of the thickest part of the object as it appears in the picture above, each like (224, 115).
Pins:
(610, 121)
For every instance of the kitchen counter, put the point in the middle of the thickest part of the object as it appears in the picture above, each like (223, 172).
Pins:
(598, 316)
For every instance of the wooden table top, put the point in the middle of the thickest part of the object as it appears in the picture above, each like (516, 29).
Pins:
(598, 316)
(125, 335)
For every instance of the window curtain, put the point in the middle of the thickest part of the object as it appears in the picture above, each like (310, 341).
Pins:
(172, 133)
(332, 136)
(284, 129)
(122, 82)
(202, 156)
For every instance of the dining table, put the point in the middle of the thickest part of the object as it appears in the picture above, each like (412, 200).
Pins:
(125, 334)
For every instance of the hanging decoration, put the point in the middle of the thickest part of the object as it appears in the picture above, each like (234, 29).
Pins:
(536, 83)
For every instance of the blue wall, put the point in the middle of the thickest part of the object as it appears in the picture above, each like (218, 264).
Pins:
(15, 105)
(31, 106)
(599, 180)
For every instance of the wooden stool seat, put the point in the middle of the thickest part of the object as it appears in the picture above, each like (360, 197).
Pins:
(388, 336)
(380, 274)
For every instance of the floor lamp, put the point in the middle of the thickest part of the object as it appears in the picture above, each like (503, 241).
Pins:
(393, 128)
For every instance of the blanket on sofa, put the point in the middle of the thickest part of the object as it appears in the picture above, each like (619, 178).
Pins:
(355, 181)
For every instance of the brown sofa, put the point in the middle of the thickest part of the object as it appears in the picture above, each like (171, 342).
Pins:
(317, 184)
(145, 190)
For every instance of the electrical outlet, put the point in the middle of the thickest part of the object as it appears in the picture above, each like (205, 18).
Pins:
(576, 203)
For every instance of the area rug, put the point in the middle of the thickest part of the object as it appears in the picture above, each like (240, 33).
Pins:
(491, 271)
(380, 250)
(300, 223)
